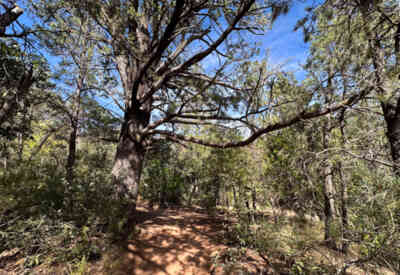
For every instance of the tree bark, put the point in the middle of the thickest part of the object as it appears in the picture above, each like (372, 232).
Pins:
(226, 196)
(129, 158)
(254, 197)
(74, 133)
(329, 205)
(328, 188)
(71, 153)
(345, 222)
(127, 169)
(216, 186)
(21, 145)
(194, 189)
(235, 198)
(392, 118)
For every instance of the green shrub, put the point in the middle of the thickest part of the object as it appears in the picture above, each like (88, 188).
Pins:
(48, 221)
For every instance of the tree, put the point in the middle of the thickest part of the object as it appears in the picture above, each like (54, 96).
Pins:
(8, 55)
(23, 73)
(162, 52)
(15, 81)
(360, 56)
(76, 72)
(79, 78)
(370, 45)
(12, 65)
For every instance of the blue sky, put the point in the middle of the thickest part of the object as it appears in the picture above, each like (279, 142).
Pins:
(286, 46)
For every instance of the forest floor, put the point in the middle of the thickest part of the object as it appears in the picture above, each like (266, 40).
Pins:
(177, 241)
(180, 241)
(191, 241)
(169, 241)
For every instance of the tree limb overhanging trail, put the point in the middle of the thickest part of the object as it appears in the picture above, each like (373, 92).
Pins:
(270, 128)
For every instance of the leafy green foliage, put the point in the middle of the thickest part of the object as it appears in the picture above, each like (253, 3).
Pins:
(23, 78)
(49, 221)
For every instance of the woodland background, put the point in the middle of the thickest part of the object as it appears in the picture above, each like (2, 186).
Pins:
(106, 105)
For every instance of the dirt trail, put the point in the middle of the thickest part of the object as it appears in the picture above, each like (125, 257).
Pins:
(174, 242)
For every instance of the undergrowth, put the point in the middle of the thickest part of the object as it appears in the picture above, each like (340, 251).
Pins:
(44, 221)
(295, 245)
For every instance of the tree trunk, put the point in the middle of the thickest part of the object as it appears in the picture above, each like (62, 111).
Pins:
(345, 223)
(5, 155)
(329, 205)
(71, 153)
(74, 117)
(21, 146)
(127, 169)
(163, 191)
(254, 197)
(250, 212)
(194, 188)
(392, 118)
(235, 198)
(216, 187)
(71, 163)
(129, 158)
(343, 190)
(328, 184)
(226, 195)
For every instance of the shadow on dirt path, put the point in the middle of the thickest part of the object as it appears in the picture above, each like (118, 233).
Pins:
(174, 241)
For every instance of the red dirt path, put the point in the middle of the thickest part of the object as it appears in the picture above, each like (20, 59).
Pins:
(174, 242)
